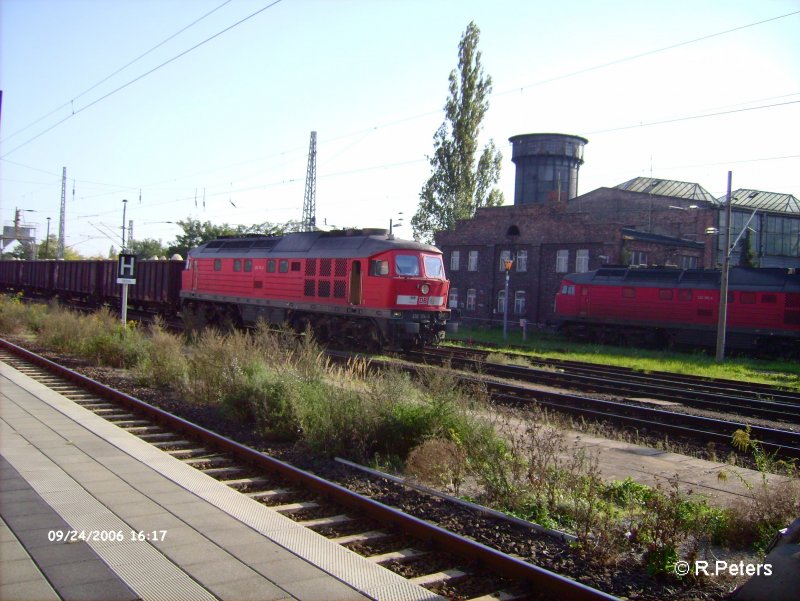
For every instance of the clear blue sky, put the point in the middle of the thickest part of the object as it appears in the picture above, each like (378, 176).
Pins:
(233, 116)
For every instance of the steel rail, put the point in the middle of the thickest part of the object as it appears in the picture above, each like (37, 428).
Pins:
(755, 390)
(540, 579)
(655, 388)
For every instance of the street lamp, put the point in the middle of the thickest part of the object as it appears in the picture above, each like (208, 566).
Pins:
(507, 263)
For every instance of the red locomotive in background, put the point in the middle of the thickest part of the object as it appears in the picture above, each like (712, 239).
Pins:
(360, 287)
(663, 306)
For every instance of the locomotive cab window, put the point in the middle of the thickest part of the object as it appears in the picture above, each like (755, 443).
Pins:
(568, 290)
(433, 267)
(407, 265)
(379, 267)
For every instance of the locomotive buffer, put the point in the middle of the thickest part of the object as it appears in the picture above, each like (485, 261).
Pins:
(126, 275)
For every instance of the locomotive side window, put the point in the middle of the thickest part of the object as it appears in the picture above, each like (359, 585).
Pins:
(629, 293)
(295, 265)
(747, 298)
(283, 266)
(237, 264)
(407, 265)
(270, 265)
(378, 267)
(433, 267)
(685, 295)
(248, 264)
(217, 264)
(665, 294)
(769, 298)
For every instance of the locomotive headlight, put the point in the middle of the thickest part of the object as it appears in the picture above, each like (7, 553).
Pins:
(425, 289)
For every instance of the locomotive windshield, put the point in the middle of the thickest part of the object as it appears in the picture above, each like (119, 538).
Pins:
(407, 265)
(434, 267)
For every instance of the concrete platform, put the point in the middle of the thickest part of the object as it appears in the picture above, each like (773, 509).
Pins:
(721, 484)
(65, 470)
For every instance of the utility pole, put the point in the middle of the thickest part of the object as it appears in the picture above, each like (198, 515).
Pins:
(310, 200)
(722, 318)
(63, 216)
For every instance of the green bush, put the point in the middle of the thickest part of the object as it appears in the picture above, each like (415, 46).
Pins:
(164, 364)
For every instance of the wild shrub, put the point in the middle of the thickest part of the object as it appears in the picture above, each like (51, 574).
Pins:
(214, 364)
(336, 420)
(164, 364)
(441, 462)
(63, 331)
(107, 341)
(266, 397)
(16, 316)
(773, 503)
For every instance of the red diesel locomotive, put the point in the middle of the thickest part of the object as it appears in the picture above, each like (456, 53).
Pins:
(361, 287)
(664, 306)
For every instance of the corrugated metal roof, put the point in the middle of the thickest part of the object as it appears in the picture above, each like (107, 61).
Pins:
(764, 201)
(668, 187)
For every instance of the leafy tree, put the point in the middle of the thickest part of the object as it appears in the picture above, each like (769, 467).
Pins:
(459, 184)
(147, 248)
(44, 250)
(196, 233)
(747, 257)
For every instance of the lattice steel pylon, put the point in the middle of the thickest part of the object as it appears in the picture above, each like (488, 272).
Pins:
(310, 201)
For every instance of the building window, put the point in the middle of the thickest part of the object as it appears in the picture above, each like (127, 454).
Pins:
(582, 261)
(501, 301)
(522, 260)
(505, 255)
(455, 258)
(519, 302)
(471, 299)
(782, 236)
(638, 257)
(473, 261)
(562, 261)
(686, 262)
(452, 301)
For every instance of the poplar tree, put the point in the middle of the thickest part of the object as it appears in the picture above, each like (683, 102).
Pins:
(460, 182)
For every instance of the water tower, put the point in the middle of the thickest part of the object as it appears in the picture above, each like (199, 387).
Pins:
(547, 167)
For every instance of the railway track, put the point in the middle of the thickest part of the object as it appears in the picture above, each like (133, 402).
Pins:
(746, 399)
(785, 443)
(447, 563)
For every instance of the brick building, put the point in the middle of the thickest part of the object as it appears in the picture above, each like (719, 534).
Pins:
(643, 221)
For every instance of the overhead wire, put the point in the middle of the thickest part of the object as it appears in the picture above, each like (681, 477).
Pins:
(366, 131)
(122, 68)
(142, 76)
